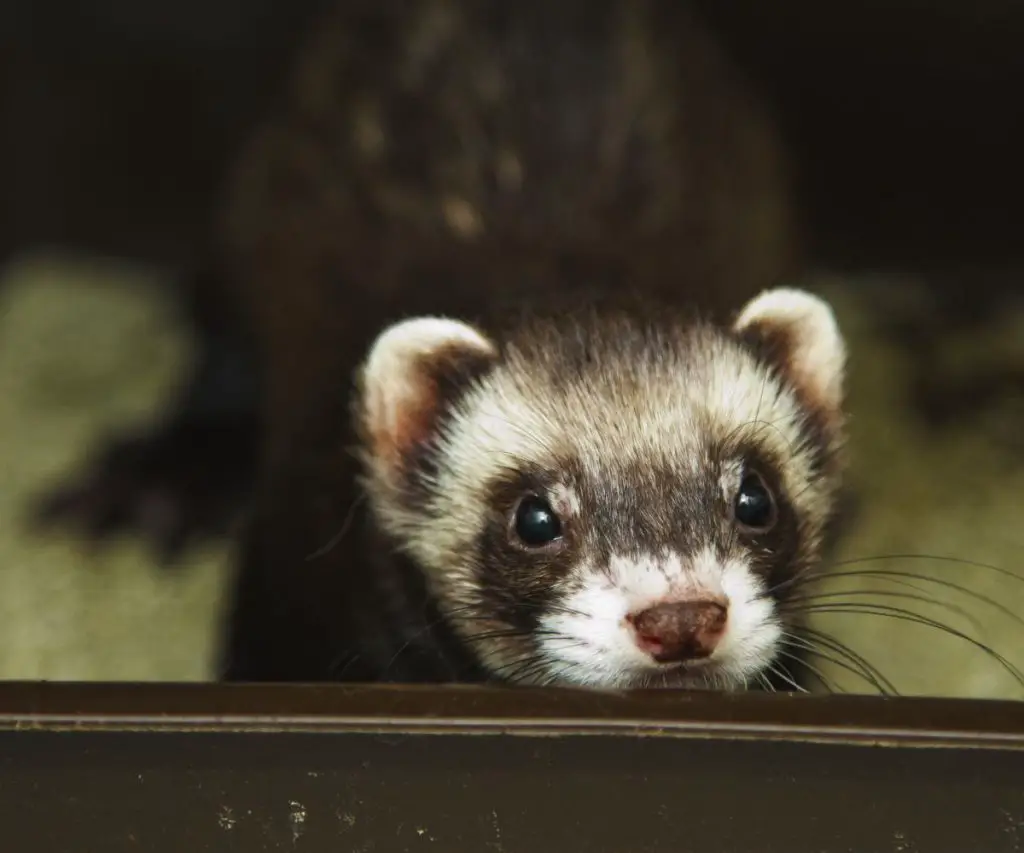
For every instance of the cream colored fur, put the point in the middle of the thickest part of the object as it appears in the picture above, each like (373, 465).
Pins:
(694, 390)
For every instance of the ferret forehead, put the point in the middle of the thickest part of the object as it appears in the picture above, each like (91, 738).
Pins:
(606, 342)
(670, 407)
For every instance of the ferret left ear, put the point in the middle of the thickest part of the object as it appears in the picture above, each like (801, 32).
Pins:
(797, 333)
(412, 371)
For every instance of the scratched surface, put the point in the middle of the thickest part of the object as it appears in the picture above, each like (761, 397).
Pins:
(367, 794)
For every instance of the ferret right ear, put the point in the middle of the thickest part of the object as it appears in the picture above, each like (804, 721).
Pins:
(797, 333)
(412, 373)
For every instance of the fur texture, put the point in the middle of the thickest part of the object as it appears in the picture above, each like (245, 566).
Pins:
(465, 158)
(638, 432)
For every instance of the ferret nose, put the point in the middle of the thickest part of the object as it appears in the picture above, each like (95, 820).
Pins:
(680, 631)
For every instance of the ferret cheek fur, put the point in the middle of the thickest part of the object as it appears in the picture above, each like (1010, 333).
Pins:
(589, 643)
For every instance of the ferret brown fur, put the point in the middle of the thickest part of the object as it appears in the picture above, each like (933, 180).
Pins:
(448, 158)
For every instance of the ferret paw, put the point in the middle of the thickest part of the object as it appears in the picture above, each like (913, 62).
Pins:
(172, 487)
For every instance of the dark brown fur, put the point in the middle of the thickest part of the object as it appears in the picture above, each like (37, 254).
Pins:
(436, 156)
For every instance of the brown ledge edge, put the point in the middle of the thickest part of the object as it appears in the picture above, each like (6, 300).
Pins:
(402, 710)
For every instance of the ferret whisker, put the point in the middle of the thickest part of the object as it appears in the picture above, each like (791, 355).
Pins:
(757, 421)
(726, 444)
(794, 642)
(892, 575)
(881, 593)
(935, 558)
(508, 633)
(525, 668)
(567, 611)
(529, 673)
(830, 642)
(499, 673)
(817, 673)
(345, 657)
(426, 629)
(831, 569)
(821, 645)
(547, 680)
(346, 525)
(550, 607)
(527, 606)
(916, 618)
(494, 635)
(781, 673)
(898, 578)
(785, 439)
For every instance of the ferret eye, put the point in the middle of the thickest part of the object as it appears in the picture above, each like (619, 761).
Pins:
(536, 523)
(755, 506)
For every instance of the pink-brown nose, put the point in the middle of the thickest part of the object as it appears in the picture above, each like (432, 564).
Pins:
(680, 631)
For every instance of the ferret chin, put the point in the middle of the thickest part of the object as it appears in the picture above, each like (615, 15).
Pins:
(613, 499)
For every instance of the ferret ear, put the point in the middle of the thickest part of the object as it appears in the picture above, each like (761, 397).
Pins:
(412, 373)
(797, 333)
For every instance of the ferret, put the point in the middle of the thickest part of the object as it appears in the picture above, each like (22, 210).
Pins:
(612, 501)
(609, 498)
(559, 181)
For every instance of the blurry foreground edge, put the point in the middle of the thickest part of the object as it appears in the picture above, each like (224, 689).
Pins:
(390, 768)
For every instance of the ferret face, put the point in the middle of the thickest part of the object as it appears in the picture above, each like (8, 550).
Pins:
(612, 502)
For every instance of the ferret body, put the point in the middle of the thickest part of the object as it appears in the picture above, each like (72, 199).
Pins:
(441, 155)
(597, 180)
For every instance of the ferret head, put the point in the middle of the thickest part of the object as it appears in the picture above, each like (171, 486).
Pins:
(614, 501)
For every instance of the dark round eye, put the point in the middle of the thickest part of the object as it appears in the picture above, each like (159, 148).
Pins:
(536, 523)
(755, 506)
